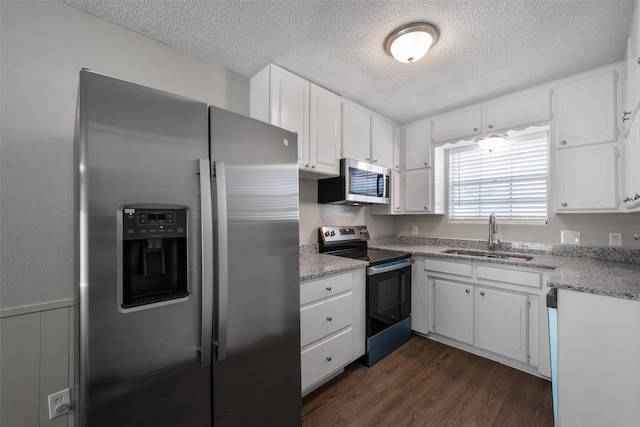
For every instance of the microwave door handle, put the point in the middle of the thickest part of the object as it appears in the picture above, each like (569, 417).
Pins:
(207, 257)
(380, 178)
(223, 261)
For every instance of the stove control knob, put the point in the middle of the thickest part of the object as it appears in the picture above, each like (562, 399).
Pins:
(327, 233)
(333, 233)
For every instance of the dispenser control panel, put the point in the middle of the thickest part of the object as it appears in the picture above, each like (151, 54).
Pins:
(146, 223)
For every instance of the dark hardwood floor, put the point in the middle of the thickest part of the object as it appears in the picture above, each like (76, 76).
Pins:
(426, 383)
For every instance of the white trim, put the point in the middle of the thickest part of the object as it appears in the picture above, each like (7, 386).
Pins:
(36, 308)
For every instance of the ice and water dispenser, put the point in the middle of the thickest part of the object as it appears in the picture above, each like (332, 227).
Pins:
(154, 257)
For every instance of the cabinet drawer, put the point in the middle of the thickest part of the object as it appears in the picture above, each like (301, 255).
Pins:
(517, 277)
(465, 270)
(325, 317)
(314, 290)
(327, 356)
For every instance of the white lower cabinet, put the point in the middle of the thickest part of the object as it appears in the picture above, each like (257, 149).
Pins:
(453, 310)
(502, 322)
(332, 325)
(494, 310)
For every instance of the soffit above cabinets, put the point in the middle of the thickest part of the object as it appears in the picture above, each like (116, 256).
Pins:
(486, 48)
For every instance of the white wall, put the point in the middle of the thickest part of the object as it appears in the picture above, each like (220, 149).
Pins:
(44, 45)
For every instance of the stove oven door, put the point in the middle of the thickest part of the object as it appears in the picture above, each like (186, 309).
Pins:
(388, 295)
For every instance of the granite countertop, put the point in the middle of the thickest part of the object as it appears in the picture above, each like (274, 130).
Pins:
(314, 265)
(609, 278)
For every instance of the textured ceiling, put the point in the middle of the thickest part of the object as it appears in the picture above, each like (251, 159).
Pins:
(486, 48)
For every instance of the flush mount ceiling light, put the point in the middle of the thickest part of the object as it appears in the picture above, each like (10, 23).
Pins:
(411, 41)
(491, 142)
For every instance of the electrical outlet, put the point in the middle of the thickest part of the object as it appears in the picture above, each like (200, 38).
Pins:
(615, 239)
(570, 237)
(414, 229)
(59, 403)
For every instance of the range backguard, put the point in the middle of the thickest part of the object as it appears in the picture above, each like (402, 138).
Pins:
(154, 256)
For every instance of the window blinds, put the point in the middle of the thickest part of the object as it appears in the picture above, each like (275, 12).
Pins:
(509, 181)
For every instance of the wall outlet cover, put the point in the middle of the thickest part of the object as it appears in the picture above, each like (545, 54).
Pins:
(59, 403)
(615, 239)
(569, 237)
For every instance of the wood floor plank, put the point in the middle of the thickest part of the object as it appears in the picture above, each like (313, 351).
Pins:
(426, 383)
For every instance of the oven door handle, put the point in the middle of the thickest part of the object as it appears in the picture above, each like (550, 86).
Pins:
(383, 268)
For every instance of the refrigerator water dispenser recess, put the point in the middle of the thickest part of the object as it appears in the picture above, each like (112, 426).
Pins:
(154, 257)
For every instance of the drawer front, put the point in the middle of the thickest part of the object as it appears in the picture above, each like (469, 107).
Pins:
(459, 269)
(517, 277)
(325, 317)
(327, 356)
(314, 290)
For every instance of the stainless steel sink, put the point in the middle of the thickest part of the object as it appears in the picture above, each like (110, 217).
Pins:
(485, 254)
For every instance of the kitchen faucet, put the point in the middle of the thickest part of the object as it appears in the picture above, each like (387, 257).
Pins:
(493, 231)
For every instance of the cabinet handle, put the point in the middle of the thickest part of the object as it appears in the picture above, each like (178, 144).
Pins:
(329, 288)
(468, 291)
(475, 129)
(329, 359)
(482, 293)
(564, 204)
(563, 142)
(329, 318)
(490, 126)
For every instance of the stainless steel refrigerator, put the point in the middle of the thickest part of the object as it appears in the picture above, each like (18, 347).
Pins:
(187, 262)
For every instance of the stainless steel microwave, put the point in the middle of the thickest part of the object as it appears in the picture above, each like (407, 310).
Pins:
(359, 183)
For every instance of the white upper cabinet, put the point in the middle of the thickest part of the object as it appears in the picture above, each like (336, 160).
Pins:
(417, 145)
(417, 191)
(457, 125)
(586, 110)
(632, 63)
(586, 178)
(499, 115)
(382, 141)
(517, 111)
(325, 131)
(283, 99)
(366, 136)
(356, 132)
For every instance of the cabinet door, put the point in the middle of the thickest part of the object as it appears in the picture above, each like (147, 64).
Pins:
(453, 310)
(586, 178)
(586, 111)
(325, 131)
(417, 191)
(517, 111)
(382, 142)
(290, 107)
(356, 132)
(417, 145)
(632, 161)
(632, 92)
(502, 323)
(461, 124)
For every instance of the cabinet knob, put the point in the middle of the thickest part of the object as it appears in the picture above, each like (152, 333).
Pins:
(490, 126)
(564, 204)
(426, 163)
(375, 160)
(313, 166)
(563, 142)
(475, 129)
(468, 291)
(329, 318)
(482, 293)
(368, 158)
(638, 60)
(329, 359)
(306, 166)
(397, 208)
(426, 208)
(329, 288)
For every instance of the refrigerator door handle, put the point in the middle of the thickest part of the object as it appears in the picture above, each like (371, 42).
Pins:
(223, 261)
(207, 267)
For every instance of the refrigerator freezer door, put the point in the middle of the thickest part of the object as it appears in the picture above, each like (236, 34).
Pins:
(139, 148)
(257, 374)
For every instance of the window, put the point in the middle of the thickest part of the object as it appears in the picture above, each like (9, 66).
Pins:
(510, 181)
